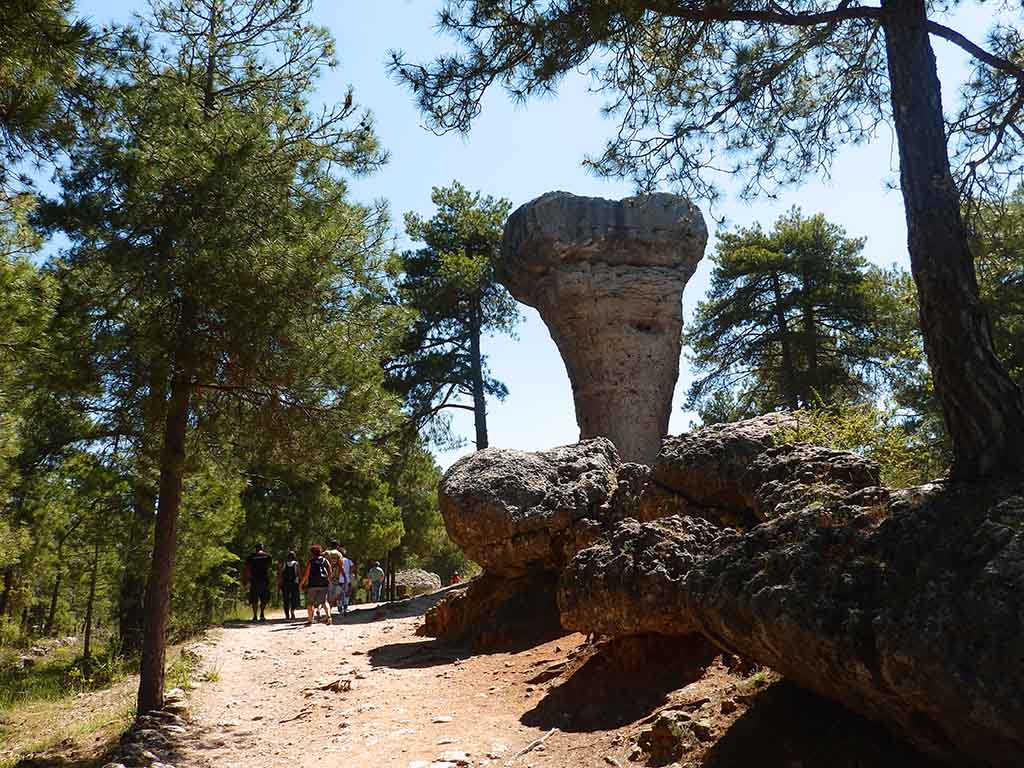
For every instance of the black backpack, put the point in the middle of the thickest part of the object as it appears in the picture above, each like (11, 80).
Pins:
(318, 571)
(291, 572)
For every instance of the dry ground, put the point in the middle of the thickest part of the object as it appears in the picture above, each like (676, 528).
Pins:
(405, 700)
(368, 691)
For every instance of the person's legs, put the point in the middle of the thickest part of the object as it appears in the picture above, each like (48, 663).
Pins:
(309, 606)
(254, 598)
(263, 597)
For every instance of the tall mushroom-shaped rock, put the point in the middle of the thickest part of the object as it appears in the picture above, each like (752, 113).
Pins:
(607, 276)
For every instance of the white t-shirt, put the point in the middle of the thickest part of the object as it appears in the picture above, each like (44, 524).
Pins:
(346, 570)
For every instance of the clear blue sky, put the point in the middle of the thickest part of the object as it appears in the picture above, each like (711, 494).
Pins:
(520, 152)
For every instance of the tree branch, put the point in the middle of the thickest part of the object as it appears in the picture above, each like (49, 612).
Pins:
(842, 13)
(996, 62)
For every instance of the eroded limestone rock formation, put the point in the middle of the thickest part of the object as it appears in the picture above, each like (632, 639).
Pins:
(515, 512)
(906, 606)
(416, 581)
(521, 516)
(607, 277)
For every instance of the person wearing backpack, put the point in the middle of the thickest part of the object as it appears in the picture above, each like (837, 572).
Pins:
(290, 585)
(315, 581)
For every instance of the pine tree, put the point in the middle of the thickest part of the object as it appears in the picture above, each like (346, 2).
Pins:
(224, 272)
(450, 283)
(787, 322)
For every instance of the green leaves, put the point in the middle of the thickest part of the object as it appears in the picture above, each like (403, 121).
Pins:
(788, 321)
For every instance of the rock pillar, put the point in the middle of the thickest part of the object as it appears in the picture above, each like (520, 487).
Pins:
(607, 276)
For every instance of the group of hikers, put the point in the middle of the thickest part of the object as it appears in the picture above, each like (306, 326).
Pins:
(328, 580)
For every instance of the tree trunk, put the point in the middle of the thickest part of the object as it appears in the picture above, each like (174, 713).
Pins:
(158, 590)
(982, 407)
(812, 387)
(132, 593)
(477, 363)
(90, 602)
(51, 614)
(788, 369)
(131, 598)
(5, 596)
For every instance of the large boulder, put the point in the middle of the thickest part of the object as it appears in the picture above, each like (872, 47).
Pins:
(416, 581)
(906, 607)
(515, 512)
(742, 473)
(607, 276)
(521, 516)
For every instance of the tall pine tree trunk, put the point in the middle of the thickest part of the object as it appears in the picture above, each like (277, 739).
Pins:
(132, 592)
(158, 589)
(788, 367)
(90, 602)
(5, 596)
(51, 614)
(983, 408)
(812, 386)
(131, 600)
(477, 363)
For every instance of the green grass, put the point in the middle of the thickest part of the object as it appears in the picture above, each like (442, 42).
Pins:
(56, 716)
(59, 673)
(182, 670)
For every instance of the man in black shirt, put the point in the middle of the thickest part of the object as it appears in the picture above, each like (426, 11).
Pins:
(257, 575)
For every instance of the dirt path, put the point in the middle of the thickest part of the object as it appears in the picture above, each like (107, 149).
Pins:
(410, 699)
(369, 692)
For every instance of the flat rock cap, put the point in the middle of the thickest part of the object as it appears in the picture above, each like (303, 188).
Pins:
(558, 228)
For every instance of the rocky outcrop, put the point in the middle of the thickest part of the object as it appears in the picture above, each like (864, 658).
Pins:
(521, 516)
(498, 612)
(743, 473)
(515, 512)
(607, 277)
(415, 581)
(906, 607)
(629, 584)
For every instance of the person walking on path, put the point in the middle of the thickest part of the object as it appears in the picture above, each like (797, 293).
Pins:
(315, 581)
(290, 585)
(257, 575)
(345, 581)
(334, 555)
(376, 583)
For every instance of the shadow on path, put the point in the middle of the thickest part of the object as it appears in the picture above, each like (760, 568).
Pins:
(787, 726)
(622, 682)
(417, 654)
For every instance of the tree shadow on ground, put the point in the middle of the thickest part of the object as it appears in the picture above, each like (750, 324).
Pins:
(417, 654)
(786, 726)
(623, 681)
(64, 756)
